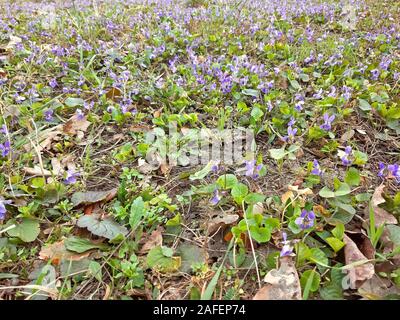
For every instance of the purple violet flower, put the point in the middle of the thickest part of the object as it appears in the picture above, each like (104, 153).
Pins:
(345, 158)
(327, 125)
(216, 197)
(287, 248)
(3, 129)
(5, 148)
(215, 167)
(394, 171)
(3, 209)
(306, 219)
(48, 115)
(382, 168)
(375, 74)
(291, 133)
(80, 115)
(299, 105)
(316, 168)
(71, 177)
(53, 83)
(252, 170)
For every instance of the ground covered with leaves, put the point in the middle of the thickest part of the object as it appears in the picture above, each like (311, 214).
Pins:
(90, 209)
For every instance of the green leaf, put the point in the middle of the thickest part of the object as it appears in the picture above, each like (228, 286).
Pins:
(106, 228)
(346, 207)
(175, 221)
(202, 173)
(335, 243)
(360, 158)
(293, 226)
(277, 154)
(256, 113)
(95, 270)
(316, 133)
(157, 259)
(137, 213)
(396, 199)
(253, 198)
(239, 191)
(191, 255)
(364, 105)
(394, 233)
(341, 216)
(295, 84)
(325, 192)
(362, 197)
(343, 189)
(27, 230)
(227, 181)
(352, 177)
(46, 278)
(81, 245)
(38, 182)
(242, 107)
(303, 252)
(331, 292)
(69, 268)
(310, 279)
(207, 295)
(304, 77)
(250, 92)
(338, 231)
(318, 256)
(73, 102)
(260, 234)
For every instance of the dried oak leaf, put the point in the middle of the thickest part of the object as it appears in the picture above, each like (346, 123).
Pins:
(90, 197)
(45, 139)
(221, 220)
(380, 214)
(57, 251)
(362, 269)
(377, 288)
(152, 240)
(282, 283)
(37, 171)
(75, 125)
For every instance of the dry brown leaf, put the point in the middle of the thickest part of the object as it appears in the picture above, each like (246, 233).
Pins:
(44, 139)
(139, 128)
(383, 217)
(282, 283)
(258, 208)
(113, 93)
(377, 288)
(287, 195)
(57, 252)
(37, 171)
(13, 41)
(221, 221)
(301, 192)
(165, 168)
(380, 214)
(107, 293)
(57, 167)
(347, 135)
(153, 240)
(359, 272)
(377, 196)
(321, 210)
(76, 125)
(145, 167)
